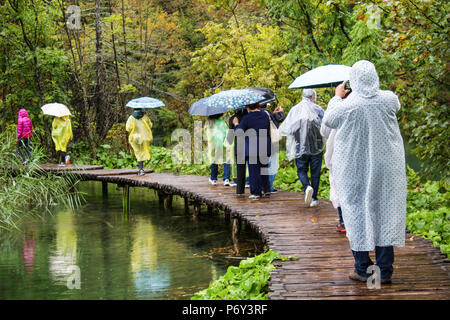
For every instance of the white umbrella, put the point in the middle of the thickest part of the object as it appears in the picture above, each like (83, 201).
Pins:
(329, 75)
(56, 109)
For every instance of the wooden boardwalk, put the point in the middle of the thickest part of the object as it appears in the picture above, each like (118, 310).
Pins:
(288, 227)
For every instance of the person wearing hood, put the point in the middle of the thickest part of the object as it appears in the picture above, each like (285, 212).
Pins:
(61, 135)
(140, 137)
(369, 169)
(216, 132)
(304, 143)
(24, 133)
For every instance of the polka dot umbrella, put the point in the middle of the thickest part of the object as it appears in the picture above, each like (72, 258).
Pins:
(226, 100)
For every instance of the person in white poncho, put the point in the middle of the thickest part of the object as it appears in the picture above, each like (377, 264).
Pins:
(369, 169)
(330, 135)
(304, 143)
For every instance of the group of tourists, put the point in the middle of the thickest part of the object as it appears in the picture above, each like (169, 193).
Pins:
(364, 155)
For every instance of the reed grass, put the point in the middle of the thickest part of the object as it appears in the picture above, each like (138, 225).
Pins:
(26, 190)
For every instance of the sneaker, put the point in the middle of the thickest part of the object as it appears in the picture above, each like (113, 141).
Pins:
(213, 182)
(340, 227)
(226, 182)
(141, 173)
(356, 277)
(266, 194)
(254, 197)
(61, 164)
(308, 195)
(247, 185)
(314, 203)
(240, 194)
(233, 184)
(273, 190)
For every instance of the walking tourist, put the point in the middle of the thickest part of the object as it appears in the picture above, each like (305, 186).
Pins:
(216, 132)
(61, 135)
(369, 169)
(24, 133)
(304, 143)
(139, 127)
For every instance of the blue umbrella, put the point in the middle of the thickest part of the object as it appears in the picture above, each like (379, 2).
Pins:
(145, 103)
(226, 100)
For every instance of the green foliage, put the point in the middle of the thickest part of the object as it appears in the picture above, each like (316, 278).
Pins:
(248, 281)
(428, 210)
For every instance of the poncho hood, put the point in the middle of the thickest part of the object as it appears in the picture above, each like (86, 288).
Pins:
(23, 113)
(138, 113)
(364, 80)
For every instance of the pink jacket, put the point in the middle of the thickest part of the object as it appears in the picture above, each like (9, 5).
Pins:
(24, 124)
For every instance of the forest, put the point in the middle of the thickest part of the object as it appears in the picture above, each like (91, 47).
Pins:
(96, 55)
(180, 51)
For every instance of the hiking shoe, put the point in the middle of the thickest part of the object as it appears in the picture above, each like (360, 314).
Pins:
(141, 173)
(273, 190)
(314, 203)
(308, 195)
(226, 182)
(340, 227)
(356, 277)
(254, 197)
(233, 184)
(266, 194)
(213, 182)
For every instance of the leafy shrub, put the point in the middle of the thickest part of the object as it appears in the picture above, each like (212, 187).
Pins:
(249, 281)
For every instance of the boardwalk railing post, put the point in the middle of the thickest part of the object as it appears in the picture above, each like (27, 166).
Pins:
(197, 208)
(235, 233)
(186, 205)
(168, 201)
(105, 189)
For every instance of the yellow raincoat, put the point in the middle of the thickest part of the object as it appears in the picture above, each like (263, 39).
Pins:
(140, 136)
(61, 132)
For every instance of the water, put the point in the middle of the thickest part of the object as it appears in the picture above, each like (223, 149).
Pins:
(152, 254)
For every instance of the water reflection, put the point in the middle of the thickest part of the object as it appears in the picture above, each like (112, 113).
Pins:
(151, 277)
(155, 254)
(63, 257)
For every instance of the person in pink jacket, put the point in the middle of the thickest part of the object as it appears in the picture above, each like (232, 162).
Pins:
(24, 132)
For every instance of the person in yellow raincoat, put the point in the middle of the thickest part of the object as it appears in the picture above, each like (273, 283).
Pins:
(61, 135)
(140, 137)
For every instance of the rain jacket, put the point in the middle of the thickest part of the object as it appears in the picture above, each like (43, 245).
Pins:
(61, 132)
(24, 125)
(369, 161)
(330, 135)
(302, 128)
(140, 136)
(216, 133)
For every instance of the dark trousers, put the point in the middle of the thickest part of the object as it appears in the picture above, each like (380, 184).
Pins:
(384, 257)
(258, 182)
(24, 149)
(341, 220)
(240, 178)
(215, 171)
(62, 156)
(304, 163)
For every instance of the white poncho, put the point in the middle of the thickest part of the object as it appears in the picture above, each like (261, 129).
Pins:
(369, 161)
